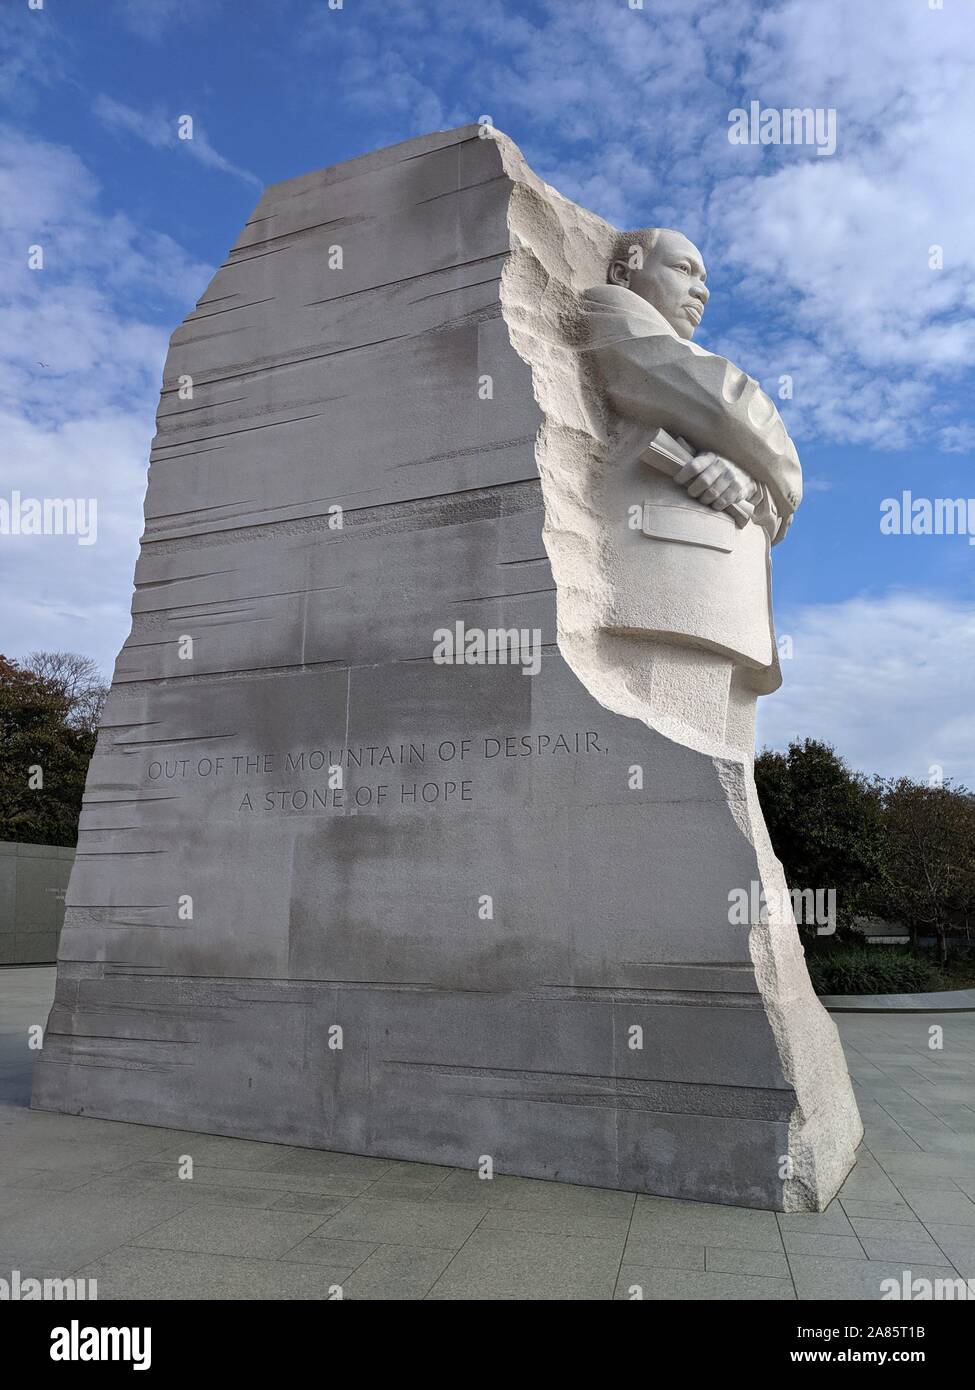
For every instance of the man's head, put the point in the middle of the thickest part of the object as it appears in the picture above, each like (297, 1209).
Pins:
(666, 270)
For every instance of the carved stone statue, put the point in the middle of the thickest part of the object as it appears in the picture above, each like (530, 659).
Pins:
(516, 877)
(695, 575)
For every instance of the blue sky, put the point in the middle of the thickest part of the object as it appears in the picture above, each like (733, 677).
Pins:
(819, 267)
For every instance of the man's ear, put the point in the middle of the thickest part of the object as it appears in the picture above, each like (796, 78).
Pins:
(619, 274)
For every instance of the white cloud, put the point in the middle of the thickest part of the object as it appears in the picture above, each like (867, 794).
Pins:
(80, 366)
(886, 680)
(33, 55)
(160, 131)
(958, 439)
(627, 112)
(73, 597)
(837, 249)
(74, 337)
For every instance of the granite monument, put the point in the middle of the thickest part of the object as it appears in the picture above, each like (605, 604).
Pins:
(424, 790)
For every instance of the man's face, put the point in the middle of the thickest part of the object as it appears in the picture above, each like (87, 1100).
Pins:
(672, 280)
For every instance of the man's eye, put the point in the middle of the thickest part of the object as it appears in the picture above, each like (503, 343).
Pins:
(684, 267)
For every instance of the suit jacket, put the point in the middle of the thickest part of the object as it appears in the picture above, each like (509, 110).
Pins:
(652, 378)
(690, 576)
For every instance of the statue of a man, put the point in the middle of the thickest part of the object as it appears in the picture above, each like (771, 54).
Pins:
(693, 577)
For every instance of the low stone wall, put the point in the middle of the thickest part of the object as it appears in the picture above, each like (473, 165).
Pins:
(33, 881)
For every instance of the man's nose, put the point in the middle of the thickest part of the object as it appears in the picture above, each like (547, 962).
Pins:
(701, 292)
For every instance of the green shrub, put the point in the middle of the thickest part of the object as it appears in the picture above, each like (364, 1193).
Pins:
(871, 970)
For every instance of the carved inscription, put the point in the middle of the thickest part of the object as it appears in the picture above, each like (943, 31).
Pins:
(348, 777)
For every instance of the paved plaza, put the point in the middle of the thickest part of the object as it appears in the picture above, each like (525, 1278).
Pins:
(99, 1199)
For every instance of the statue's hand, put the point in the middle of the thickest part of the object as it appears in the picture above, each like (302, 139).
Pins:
(716, 481)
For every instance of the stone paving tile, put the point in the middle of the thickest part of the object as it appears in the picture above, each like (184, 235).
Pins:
(879, 1227)
(142, 1273)
(430, 1174)
(167, 1144)
(652, 1253)
(947, 1110)
(827, 1246)
(893, 1142)
(898, 1240)
(947, 1208)
(908, 1249)
(748, 1262)
(944, 1141)
(400, 1272)
(407, 1191)
(387, 1221)
(518, 1265)
(951, 1092)
(34, 1267)
(907, 1112)
(63, 1131)
(831, 1222)
(345, 1254)
(857, 1280)
(15, 1200)
(734, 1230)
(699, 1287)
(555, 1223)
(314, 1163)
(872, 1110)
(241, 1231)
(856, 1206)
(307, 1201)
(265, 1179)
(927, 1165)
(534, 1194)
(869, 1187)
(864, 1074)
(123, 1185)
(68, 1229)
(958, 1243)
(219, 1151)
(879, 1091)
(865, 1167)
(24, 1180)
(913, 1187)
(62, 1152)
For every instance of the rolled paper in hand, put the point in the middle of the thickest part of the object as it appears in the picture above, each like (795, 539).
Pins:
(673, 457)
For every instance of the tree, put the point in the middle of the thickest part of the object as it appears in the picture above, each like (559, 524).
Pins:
(929, 856)
(79, 679)
(46, 742)
(825, 823)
